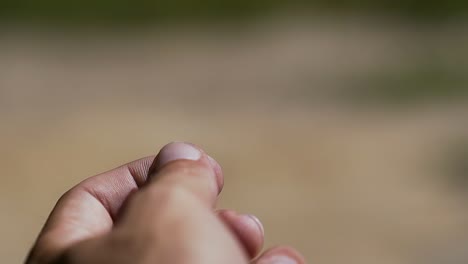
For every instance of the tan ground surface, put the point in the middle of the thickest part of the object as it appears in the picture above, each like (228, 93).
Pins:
(342, 185)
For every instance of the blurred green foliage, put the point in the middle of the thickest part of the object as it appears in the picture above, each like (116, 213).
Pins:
(421, 82)
(126, 11)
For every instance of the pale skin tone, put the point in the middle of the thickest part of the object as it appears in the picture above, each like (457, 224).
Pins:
(154, 210)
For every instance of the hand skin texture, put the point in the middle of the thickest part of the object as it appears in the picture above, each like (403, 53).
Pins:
(154, 210)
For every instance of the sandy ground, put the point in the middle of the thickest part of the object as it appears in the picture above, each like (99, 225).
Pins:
(342, 184)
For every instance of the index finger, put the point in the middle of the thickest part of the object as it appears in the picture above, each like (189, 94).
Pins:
(89, 209)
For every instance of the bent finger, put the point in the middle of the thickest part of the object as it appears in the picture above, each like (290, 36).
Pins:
(247, 228)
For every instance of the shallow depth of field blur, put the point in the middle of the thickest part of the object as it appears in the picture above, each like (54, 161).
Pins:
(343, 126)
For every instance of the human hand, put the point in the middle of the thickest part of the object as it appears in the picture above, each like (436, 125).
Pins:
(154, 210)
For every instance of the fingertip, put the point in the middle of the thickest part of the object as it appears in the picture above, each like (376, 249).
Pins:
(179, 150)
(281, 255)
(247, 228)
(257, 222)
(185, 165)
(173, 151)
(213, 163)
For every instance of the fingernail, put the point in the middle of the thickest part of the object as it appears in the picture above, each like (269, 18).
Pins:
(177, 151)
(277, 259)
(257, 222)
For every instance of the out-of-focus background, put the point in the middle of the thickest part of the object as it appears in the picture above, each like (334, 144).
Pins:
(342, 124)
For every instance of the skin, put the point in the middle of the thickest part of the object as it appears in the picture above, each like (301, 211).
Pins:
(154, 210)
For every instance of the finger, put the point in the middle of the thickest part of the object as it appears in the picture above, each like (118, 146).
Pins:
(180, 173)
(175, 210)
(89, 208)
(187, 167)
(183, 150)
(280, 255)
(247, 228)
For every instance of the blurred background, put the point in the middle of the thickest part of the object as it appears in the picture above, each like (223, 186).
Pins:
(342, 124)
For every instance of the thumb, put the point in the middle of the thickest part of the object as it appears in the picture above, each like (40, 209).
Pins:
(187, 167)
(174, 211)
